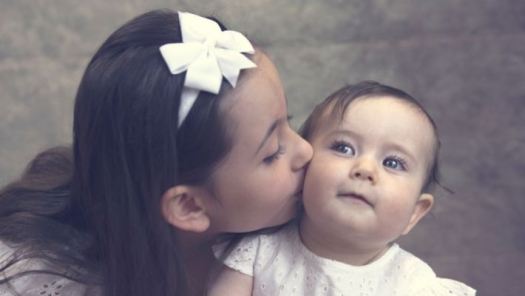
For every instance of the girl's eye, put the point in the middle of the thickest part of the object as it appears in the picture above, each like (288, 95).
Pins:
(270, 159)
(343, 147)
(395, 163)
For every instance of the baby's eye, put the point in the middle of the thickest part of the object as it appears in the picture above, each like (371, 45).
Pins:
(343, 147)
(395, 163)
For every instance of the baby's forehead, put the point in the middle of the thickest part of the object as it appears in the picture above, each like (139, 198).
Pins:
(339, 113)
(336, 111)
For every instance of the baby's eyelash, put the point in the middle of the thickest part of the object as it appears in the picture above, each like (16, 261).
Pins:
(280, 151)
(402, 162)
(342, 146)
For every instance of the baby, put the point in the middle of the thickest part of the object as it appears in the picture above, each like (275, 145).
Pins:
(369, 182)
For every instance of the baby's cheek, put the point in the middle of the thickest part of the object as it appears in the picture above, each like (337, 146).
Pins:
(398, 217)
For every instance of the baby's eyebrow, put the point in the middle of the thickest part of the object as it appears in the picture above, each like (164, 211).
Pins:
(345, 132)
(389, 146)
(402, 149)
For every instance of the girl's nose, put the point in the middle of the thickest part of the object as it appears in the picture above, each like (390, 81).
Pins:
(303, 153)
(364, 170)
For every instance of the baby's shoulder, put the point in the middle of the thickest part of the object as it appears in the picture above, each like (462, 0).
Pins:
(445, 287)
(419, 278)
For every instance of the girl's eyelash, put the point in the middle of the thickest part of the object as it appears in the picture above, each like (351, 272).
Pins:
(275, 156)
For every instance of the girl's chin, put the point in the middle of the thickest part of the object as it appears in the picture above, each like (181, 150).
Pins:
(287, 212)
(283, 219)
(291, 214)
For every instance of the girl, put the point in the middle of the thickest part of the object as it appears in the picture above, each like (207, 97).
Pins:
(160, 143)
(369, 182)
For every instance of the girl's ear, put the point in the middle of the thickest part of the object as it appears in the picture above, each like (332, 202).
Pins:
(423, 206)
(183, 207)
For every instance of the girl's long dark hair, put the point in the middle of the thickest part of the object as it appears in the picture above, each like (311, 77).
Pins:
(93, 209)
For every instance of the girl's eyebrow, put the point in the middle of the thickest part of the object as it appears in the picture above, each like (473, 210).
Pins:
(269, 133)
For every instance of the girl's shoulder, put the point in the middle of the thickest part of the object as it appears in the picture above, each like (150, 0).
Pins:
(32, 276)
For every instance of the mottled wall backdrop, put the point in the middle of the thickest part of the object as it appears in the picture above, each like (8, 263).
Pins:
(464, 59)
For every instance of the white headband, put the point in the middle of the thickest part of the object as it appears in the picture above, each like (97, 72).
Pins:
(206, 54)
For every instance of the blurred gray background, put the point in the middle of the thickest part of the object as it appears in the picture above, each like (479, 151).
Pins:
(464, 59)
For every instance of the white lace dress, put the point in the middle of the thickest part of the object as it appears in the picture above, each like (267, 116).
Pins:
(282, 265)
(36, 284)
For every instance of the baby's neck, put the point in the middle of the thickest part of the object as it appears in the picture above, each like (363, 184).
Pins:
(330, 247)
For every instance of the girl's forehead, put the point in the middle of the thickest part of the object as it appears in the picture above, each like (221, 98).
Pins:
(252, 82)
(255, 104)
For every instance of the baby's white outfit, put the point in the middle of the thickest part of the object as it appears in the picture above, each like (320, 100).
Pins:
(281, 265)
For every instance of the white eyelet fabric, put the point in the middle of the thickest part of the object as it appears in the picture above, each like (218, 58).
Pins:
(37, 284)
(282, 265)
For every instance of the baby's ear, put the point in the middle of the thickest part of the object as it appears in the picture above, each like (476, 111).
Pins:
(183, 207)
(423, 206)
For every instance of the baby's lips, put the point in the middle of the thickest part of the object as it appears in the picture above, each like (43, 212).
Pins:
(355, 196)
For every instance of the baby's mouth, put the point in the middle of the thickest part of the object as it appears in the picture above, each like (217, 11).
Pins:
(355, 196)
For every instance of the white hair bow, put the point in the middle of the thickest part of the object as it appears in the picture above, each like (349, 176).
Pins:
(206, 54)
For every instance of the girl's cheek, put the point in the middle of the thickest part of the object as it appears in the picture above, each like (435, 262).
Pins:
(280, 184)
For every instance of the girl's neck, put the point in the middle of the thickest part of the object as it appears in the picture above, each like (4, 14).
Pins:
(321, 243)
(198, 260)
